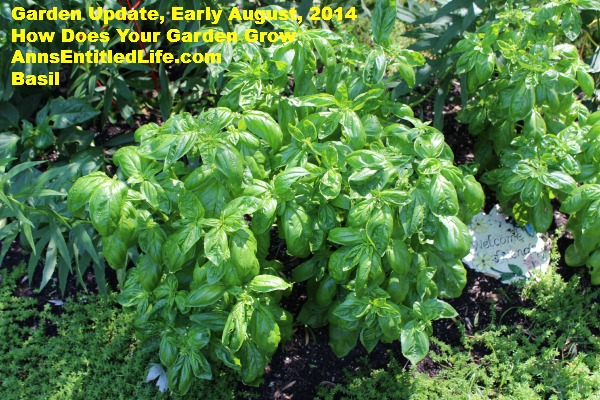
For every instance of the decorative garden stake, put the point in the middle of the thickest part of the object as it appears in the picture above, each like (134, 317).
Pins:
(503, 250)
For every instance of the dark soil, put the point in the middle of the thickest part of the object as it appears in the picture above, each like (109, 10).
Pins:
(103, 134)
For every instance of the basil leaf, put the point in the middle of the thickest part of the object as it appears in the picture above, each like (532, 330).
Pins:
(268, 283)
(106, 204)
(264, 126)
(375, 66)
(264, 330)
(384, 16)
(415, 343)
(216, 246)
(205, 295)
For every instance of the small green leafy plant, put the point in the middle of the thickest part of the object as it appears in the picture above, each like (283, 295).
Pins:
(536, 140)
(375, 206)
(32, 197)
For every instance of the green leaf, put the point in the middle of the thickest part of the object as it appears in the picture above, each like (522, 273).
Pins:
(297, 230)
(542, 215)
(435, 309)
(514, 184)
(253, 361)
(306, 270)
(268, 283)
(231, 164)
(429, 145)
(407, 72)
(243, 248)
(330, 184)
(589, 4)
(384, 16)
(484, 68)
(180, 147)
(326, 291)
(375, 66)
(168, 351)
(185, 379)
(521, 102)
(559, 180)
(216, 246)
(106, 204)
(69, 112)
(532, 192)
(443, 197)
(379, 228)
(114, 251)
(452, 236)
(313, 100)
(81, 191)
(342, 340)
(150, 272)
(284, 180)
(265, 127)
(352, 309)
(83, 239)
(415, 342)
(215, 320)
(571, 22)
(190, 206)
(240, 206)
(369, 336)
(366, 265)
(264, 331)
(173, 256)
(353, 129)
(327, 217)
(151, 241)
(450, 277)
(473, 195)
(200, 366)
(234, 334)
(412, 216)
(128, 160)
(205, 295)
(399, 258)
(586, 82)
(363, 158)
(8, 145)
(50, 264)
(58, 238)
(325, 50)
(346, 236)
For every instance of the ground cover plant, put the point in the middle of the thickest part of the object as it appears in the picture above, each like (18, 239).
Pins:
(301, 194)
(82, 349)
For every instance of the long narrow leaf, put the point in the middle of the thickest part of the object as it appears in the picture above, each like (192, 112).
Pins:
(58, 238)
(50, 266)
(8, 234)
(64, 269)
(34, 259)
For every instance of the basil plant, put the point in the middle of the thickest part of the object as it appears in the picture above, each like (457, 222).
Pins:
(325, 166)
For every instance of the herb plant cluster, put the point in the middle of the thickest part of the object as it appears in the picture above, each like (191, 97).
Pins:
(346, 178)
(537, 142)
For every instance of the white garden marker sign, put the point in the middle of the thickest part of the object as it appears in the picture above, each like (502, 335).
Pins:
(503, 250)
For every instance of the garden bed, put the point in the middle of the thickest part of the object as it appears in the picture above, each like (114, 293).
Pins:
(306, 363)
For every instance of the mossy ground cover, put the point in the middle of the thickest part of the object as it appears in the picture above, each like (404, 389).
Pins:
(85, 349)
